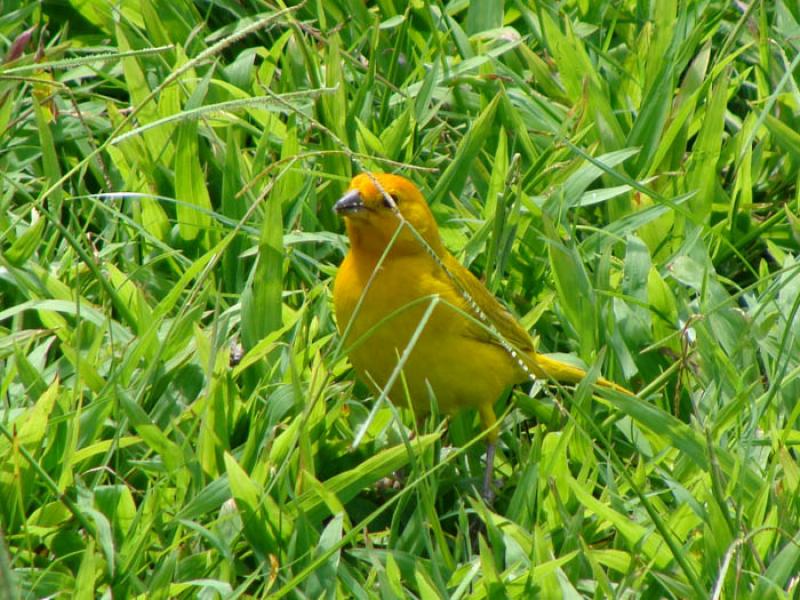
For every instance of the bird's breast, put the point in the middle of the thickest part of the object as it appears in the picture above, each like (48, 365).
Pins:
(395, 294)
(407, 314)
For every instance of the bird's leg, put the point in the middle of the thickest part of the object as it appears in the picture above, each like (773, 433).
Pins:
(489, 421)
(477, 527)
(487, 493)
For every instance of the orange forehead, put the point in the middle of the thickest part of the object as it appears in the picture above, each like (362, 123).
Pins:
(367, 184)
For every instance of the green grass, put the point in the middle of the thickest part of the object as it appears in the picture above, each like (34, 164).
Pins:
(624, 175)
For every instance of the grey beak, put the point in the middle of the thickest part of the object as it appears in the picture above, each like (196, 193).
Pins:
(350, 202)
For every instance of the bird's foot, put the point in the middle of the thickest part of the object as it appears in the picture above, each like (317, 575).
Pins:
(393, 482)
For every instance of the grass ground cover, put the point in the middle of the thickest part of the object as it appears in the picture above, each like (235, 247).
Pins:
(177, 417)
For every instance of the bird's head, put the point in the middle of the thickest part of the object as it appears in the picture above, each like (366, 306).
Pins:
(372, 218)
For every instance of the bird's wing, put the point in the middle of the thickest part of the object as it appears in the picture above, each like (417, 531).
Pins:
(503, 321)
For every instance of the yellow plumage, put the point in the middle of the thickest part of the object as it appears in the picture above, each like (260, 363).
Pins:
(454, 357)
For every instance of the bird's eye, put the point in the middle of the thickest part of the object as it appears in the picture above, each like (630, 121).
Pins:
(388, 204)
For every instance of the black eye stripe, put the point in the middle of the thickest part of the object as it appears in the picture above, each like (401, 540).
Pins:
(388, 204)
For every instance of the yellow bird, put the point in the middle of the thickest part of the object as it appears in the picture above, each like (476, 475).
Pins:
(457, 358)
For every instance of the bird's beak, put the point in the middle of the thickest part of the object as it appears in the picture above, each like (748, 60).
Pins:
(350, 203)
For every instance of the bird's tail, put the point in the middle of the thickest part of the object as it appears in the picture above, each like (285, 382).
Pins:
(550, 368)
